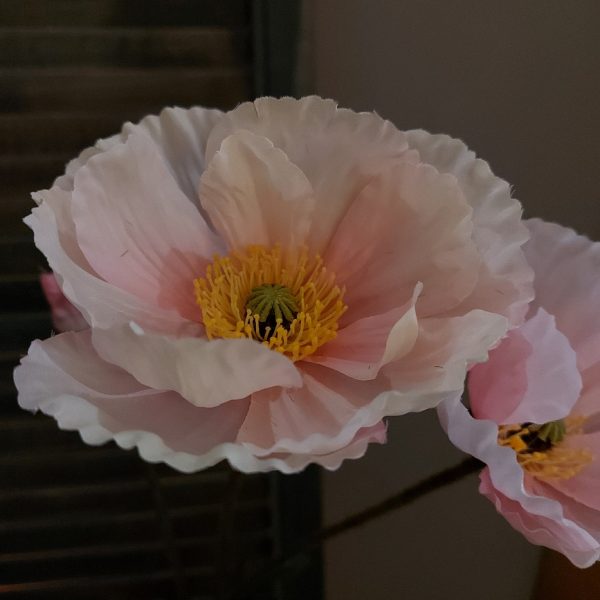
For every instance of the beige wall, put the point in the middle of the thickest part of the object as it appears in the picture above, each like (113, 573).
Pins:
(449, 546)
(519, 82)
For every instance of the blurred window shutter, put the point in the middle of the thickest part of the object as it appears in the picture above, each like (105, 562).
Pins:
(81, 522)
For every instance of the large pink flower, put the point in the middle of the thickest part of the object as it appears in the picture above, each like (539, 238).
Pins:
(266, 285)
(536, 403)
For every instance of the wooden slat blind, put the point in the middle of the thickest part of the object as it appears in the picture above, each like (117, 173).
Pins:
(80, 522)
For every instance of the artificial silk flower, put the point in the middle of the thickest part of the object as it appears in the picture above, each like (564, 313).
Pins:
(267, 285)
(535, 404)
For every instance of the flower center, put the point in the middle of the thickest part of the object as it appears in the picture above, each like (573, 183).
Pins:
(274, 304)
(287, 301)
(540, 450)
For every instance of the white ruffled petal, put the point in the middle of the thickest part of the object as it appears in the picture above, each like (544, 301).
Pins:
(336, 149)
(66, 379)
(102, 304)
(206, 373)
(255, 196)
(505, 279)
(179, 134)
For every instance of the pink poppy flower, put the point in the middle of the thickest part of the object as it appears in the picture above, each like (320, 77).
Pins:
(266, 285)
(535, 404)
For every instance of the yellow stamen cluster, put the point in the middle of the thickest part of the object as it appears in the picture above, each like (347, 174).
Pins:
(540, 450)
(230, 294)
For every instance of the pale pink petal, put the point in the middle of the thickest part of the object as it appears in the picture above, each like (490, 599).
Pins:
(337, 149)
(567, 285)
(65, 181)
(206, 373)
(498, 385)
(554, 383)
(180, 425)
(179, 134)
(67, 363)
(243, 460)
(445, 348)
(102, 304)
(59, 202)
(328, 410)
(408, 224)
(255, 195)
(504, 284)
(71, 367)
(355, 449)
(137, 229)
(362, 348)
(530, 377)
(562, 535)
(180, 137)
(321, 416)
(567, 269)
(585, 486)
(65, 317)
(588, 404)
(376, 434)
(587, 516)
(479, 438)
(65, 378)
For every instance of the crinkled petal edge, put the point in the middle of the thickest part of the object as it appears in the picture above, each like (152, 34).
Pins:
(151, 447)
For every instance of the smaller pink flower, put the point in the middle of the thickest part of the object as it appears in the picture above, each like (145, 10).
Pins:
(535, 405)
(65, 317)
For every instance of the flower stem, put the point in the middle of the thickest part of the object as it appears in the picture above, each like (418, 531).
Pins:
(298, 557)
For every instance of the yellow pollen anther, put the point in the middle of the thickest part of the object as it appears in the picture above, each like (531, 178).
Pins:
(288, 301)
(540, 449)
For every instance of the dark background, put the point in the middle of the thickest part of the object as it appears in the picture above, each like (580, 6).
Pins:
(79, 522)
